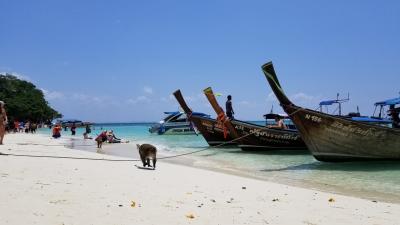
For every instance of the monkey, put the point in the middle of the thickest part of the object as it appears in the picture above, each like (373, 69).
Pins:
(147, 151)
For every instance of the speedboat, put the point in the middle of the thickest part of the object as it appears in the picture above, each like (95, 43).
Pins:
(176, 123)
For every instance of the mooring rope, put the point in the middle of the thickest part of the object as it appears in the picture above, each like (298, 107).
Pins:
(123, 160)
(299, 109)
(66, 145)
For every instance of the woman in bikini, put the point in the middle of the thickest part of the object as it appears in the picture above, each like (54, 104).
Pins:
(3, 122)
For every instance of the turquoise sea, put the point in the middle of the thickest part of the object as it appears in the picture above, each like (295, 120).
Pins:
(372, 180)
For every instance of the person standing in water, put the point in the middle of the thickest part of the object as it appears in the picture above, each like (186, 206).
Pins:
(88, 130)
(3, 121)
(229, 108)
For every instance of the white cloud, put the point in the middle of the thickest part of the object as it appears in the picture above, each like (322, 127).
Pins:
(17, 75)
(97, 99)
(51, 95)
(148, 90)
(302, 97)
(84, 98)
(200, 98)
(168, 99)
(190, 99)
(244, 103)
(142, 98)
(271, 97)
(298, 97)
(4, 68)
(139, 99)
(80, 97)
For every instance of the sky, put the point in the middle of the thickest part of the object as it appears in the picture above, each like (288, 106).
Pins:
(120, 61)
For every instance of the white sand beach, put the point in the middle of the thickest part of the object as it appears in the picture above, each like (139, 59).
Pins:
(71, 191)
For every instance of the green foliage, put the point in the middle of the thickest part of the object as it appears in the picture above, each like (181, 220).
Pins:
(24, 101)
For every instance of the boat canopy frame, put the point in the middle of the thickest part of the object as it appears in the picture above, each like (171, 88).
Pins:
(382, 104)
(338, 101)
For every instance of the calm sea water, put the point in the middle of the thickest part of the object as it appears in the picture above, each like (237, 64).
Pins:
(375, 180)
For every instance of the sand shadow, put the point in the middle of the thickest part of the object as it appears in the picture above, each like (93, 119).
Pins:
(274, 152)
(144, 168)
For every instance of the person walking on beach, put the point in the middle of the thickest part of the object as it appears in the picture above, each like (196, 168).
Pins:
(73, 129)
(27, 126)
(229, 108)
(3, 121)
(16, 126)
(33, 127)
(21, 127)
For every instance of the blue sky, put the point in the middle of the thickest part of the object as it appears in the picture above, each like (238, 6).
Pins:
(109, 61)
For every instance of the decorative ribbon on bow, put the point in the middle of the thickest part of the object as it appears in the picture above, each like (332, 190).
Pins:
(221, 119)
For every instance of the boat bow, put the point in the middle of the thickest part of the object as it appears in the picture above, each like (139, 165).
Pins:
(273, 81)
(222, 118)
(182, 102)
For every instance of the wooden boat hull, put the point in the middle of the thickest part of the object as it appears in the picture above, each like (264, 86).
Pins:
(252, 137)
(210, 129)
(266, 139)
(333, 138)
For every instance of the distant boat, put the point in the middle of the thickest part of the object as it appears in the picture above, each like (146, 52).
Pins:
(257, 137)
(175, 123)
(70, 122)
(338, 138)
(212, 131)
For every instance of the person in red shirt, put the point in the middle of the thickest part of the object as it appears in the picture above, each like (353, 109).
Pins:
(101, 138)
(57, 131)
(16, 126)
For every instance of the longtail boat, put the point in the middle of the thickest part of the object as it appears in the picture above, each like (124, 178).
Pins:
(336, 138)
(211, 129)
(253, 137)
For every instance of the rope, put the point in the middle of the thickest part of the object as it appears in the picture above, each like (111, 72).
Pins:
(68, 157)
(222, 144)
(299, 109)
(221, 120)
(50, 145)
(122, 160)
